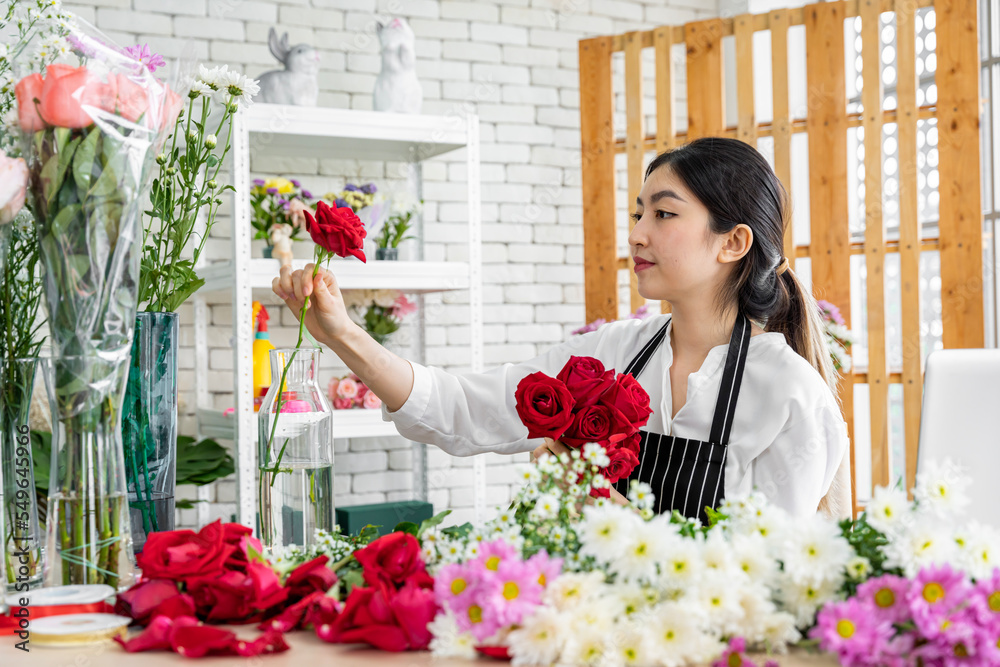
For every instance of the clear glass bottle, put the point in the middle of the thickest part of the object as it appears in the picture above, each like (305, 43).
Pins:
(295, 452)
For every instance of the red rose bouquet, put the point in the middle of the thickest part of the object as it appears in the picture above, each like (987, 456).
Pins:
(587, 403)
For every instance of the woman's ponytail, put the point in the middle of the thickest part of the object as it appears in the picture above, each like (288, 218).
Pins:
(797, 317)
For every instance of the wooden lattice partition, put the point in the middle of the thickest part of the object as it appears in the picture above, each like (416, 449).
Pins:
(826, 123)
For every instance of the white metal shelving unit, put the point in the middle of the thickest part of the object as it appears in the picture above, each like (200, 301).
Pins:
(265, 131)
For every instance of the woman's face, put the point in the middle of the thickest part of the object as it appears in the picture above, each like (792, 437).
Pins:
(672, 233)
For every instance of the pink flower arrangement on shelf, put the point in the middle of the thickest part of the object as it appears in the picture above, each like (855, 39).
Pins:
(350, 392)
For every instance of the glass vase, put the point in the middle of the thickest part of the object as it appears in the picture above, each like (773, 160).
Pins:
(88, 536)
(149, 425)
(22, 539)
(390, 254)
(295, 452)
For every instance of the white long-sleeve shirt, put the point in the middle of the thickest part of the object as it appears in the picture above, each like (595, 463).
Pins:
(788, 436)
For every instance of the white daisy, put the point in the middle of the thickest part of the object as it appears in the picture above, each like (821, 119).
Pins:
(816, 550)
(569, 591)
(214, 77)
(802, 600)
(540, 638)
(529, 474)
(644, 546)
(718, 598)
(888, 510)
(923, 543)
(595, 454)
(752, 558)
(981, 553)
(641, 494)
(546, 507)
(631, 645)
(941, 488)
(603, 531)
(682, 564)
(585, 649)
(448, 641)
(675, 635)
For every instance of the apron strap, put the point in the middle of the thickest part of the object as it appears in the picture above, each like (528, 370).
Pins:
(732, 378)
(646, 353)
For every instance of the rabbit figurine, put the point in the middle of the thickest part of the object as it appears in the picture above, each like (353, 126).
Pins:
(397, 88)
(297, 83)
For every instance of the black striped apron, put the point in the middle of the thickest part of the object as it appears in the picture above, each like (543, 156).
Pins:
(686, 475)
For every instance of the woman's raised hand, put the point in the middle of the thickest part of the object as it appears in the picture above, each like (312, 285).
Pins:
(326, 318)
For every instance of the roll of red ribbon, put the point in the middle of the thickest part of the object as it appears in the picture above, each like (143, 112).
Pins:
(57, 601)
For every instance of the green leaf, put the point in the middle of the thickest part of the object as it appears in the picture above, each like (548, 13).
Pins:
(458, 532)
(83, 161)
(212, 161)
(407, 527)
(186, 504)
(202, 462)
(435, 520)
(41, 458)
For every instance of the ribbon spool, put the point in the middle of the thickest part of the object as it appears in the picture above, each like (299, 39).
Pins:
(57, 601)
(77, 629)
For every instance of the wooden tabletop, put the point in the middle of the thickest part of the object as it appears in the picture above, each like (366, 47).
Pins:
(306, 651)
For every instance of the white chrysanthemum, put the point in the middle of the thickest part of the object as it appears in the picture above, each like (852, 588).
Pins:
(645, 546)
(718, 597)
(755, 604)
(632, 598)
(717, 553)
(925, 542)
(858, 568)
(682, 564)
(779, 630)
(941, 488)
(603, 531)
(200, 88)
(593, 616)
(641, 494)
(631, 646)
(540, 638)
(546, 507)
(472, 550)
(676, 638)
(752, 558)
(448, 641)
(585, 649)
(888, 510)
(803, 600)
(569, 591)
(242, 88)
(816, 550)
(529, 474)
(980, 554)
(214, 78)
(595, 454)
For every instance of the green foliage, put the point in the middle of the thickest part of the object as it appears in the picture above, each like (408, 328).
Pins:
(394, 231)
(202, 462)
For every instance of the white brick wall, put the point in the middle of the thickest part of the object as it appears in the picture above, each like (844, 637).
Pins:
(515, 62)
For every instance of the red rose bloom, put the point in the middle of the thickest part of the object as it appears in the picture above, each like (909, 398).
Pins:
(630, 398)
(309, 578)
(391, 559)
(180, 554)
(544, 405)
(586, 379)
(151, 598)
(223, 599)
(386, 619)
(596, 423)
(623, 462)
(337, 230)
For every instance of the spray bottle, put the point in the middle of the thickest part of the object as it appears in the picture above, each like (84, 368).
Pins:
(261, 355)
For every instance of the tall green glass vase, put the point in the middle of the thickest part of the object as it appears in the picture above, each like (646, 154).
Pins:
(22, 540)
(149, 425)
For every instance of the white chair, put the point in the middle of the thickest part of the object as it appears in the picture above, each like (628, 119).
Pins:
(960, 420)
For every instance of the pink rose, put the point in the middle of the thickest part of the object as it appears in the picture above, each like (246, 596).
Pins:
(71, 95)
(342, 403)
(133, 101)
(403, 306)
(29, 97)
(13, 186)
(372, 402)
(332, 389)
(348, 388)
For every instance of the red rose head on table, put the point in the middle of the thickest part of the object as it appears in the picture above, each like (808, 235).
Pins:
(219, 575)
(587, 403)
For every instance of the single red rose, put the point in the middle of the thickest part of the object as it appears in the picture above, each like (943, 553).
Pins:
(267, 589)
(628, 396)
(391, 559)
(310, 577)
(181, 554)
(596, 423)
(414, 607)
(367, 618)
(586, 379)
(623, 462)
(294, 616)
(337, 230)
(223, 599)
(544, 405)
(235, 535)
(631, 442)
(151, 598)
(324, 612)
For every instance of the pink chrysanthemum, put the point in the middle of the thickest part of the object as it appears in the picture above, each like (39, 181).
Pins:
(986, 600)
(852, 630)
(733, 655)
(492, 554)
(937, 590)
(145, 55)
(887, 595)
(512, 593)
(454, 585)
(471, 615)
(959, 642)
(545, 567)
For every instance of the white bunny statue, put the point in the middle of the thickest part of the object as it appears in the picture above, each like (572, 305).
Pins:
(297, 83)
(397, 88)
